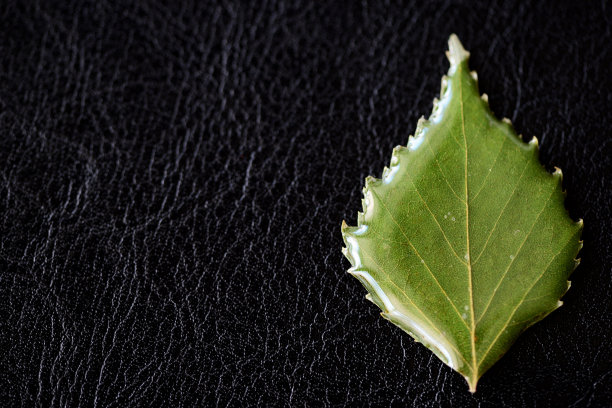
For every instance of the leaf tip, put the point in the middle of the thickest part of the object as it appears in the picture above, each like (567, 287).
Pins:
(456, 53)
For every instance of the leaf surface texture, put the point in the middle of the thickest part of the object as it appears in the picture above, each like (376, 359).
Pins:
(464, 242)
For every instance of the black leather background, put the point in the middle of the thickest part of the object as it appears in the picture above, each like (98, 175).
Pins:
(173, 177)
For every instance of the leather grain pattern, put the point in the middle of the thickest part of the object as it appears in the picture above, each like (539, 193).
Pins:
(173, 176)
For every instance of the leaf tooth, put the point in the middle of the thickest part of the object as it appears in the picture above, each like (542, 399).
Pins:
(560, 302)
(344, 225)
(376, 300)
(507, 123)
(534, 144)
(443, 86)
(558, 173)
(435, 111)
(351, 250)
(362, 276)
(364, 204)
(347, 255)
(385, 172)
(369, 297)
(349, 230)
(366, 201)
(393, 163)
(414, 141)
(360, 218)
(422, 124)
(395, 156)
(474, 75)
(371, 182)
(369, 190)
(485, 98)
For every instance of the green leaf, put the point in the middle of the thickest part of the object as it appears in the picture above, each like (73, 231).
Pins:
(464, 242)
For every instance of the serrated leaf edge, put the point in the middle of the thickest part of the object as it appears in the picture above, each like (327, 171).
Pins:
(456, 55)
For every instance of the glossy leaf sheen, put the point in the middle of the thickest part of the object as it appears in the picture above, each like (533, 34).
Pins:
(465, 241)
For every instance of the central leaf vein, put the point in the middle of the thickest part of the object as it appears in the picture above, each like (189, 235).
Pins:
(467, 235)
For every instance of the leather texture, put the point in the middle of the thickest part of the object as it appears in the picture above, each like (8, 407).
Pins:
(173, 176)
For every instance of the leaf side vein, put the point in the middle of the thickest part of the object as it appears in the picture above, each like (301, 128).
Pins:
(523, 299)
(513, 259)
(419, 255)
(442, 172)
(413, 304)
(501, 213)
(484, 182)
(437, 223)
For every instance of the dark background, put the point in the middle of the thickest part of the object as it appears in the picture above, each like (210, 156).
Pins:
(173, 177)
